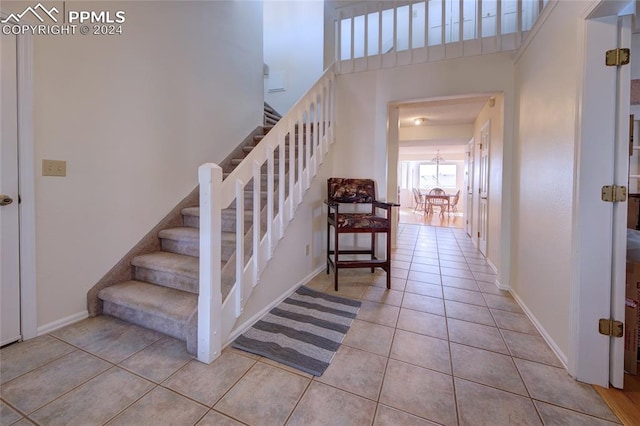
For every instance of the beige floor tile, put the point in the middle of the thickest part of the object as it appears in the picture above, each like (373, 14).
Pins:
(23, 422)
(557, 416)
(403, 255)
(231, 350)
(421, 350)
(159, 360)
(23, 357)
(418, 391)
(466, 312)
(378, 313)
(482, 405)
(426, 260)
(285, 367)
(402, 264)
(457, 282)
(96, 401)
(454, 265)
(486, 277)
(208, 383)
(418, 302)
(464, 296)
(266, 395)
(482, 268)
(326, 405)
(44, 384)
(161, 407)
(488, 368)
(318, 285)
(502, 303)
(513, 321)
(383, 295)
(423, 323)
(417, 287)
(452, 257)
(530, 347)
(396, 283)
(8, 415)
(554, 385)
(476, 335)
(453, 272)
(355, 371)
(421, 267)
(350, 290)
(213, 418)
(369, 337)
(387, 416)
(424, 254)
(424, 277)
(107, 337)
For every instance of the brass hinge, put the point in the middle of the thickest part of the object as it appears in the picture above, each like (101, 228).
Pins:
(478, 234)
(480, 147)
(610, 327)
(614, 193)
(617, 57)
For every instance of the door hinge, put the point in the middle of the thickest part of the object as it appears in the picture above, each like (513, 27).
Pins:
(478, 234)
(617, 57)
(480, 147)
(610, 327)
(614, 193)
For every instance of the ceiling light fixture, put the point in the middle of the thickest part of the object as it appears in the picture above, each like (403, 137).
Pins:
(419, 121)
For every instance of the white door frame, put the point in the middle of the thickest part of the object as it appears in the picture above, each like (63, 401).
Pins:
(26, 178)
(593, 227)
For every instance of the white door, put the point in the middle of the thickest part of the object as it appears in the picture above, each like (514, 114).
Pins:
(483, 189)
(600, 227)
(9, 225)
(468, 185)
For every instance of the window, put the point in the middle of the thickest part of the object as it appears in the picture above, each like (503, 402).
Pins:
(441, 176)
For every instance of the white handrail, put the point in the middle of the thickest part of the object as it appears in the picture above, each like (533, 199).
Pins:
(308, 127)
(428, 30)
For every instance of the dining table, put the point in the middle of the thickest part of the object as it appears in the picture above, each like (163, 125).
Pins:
(440, 200)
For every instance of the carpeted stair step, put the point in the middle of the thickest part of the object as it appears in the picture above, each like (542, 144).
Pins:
(236, 161)
(191, 218)
(183, 240)
(168, 269)
(158, 308)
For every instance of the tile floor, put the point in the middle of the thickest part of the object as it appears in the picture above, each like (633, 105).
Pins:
(444, 346)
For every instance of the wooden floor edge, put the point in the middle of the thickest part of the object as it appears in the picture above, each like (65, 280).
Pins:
(621, 403)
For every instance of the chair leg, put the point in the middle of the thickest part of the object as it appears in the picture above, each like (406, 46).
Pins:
(373, 249)
(328, 246)
(389, 258)
(335, 260)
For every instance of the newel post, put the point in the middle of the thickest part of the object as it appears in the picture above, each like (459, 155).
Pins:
(210, 295)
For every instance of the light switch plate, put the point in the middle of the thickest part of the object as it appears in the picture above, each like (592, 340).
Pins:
(54, 168)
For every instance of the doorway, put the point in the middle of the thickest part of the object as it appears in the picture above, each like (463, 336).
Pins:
(10, 330)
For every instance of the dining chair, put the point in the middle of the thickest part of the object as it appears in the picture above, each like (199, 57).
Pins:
(419, 200)
(440, 200)
(453, 205)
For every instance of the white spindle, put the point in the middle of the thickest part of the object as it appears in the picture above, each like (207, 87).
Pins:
(257, 207)
(281, 182)
(271, 240)
(239, 245)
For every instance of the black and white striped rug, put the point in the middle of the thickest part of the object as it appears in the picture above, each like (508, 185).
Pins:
(304, 331)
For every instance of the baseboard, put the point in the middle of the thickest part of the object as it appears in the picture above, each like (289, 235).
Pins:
(63, 322)
(501, 286)
(248, 323)
(491, 265)
(561, 356)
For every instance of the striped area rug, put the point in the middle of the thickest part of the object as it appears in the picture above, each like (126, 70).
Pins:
(304, 331)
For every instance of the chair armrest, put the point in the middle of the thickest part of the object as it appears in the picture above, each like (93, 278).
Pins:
(384, 205)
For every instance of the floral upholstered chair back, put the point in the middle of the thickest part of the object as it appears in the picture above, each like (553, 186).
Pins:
(350, 190)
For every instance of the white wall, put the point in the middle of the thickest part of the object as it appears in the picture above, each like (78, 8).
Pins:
(363, 100)
(542, 216)
(293, 43)
(133, 115)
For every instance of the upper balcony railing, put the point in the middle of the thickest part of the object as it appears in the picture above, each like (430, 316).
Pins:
(382, 34)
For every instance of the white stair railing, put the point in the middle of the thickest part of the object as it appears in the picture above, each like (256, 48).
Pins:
(307, 128)
(374, 35)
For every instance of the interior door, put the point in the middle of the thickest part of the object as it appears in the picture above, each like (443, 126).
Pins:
(468, 184)
(9, 219)
(483, 189)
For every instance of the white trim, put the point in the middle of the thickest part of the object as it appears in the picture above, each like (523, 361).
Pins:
(26, 170)
(547, 338)
(531, 34)
(248, 323)
(62, 322)
(491, 265)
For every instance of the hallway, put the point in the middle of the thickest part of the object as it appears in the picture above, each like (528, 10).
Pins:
(444, 346)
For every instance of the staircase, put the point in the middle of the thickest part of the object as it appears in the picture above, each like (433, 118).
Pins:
(163, 292)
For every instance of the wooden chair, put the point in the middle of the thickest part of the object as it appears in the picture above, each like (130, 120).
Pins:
(361, 218)
(419, 200)
(437, 197)
(453, 206)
